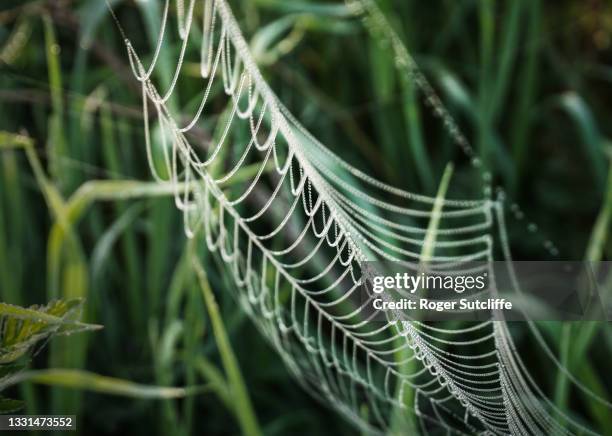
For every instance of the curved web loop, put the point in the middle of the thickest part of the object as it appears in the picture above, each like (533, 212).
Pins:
(293, 223)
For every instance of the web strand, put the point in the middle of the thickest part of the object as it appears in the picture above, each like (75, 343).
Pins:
(293, 234)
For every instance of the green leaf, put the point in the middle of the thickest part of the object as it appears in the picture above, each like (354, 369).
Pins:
(12, 368)
(8, 405)
(21, 328)
(601, 229)
(427, 251)
(263, 41)
(580, 113)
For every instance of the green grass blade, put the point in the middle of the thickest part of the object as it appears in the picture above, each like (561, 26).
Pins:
(89, 381)
(242, 403)
(524, 114)
(400, 420)
(432, 229)
(601, 229)
(579, 112)
(56, 143)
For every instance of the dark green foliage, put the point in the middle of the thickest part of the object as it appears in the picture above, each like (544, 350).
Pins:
(528, 82)
(21, 330)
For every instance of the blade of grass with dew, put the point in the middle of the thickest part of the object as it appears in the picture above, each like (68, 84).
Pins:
(53, 314)
(23, 329)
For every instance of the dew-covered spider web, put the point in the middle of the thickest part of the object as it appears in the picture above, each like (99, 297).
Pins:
(293, 223)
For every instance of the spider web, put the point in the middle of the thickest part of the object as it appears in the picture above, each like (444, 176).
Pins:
(293, 223)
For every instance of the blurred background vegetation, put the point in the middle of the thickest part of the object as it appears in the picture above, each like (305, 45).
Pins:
(529, 82)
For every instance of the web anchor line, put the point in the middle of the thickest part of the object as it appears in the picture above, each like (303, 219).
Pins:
(376, 20)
